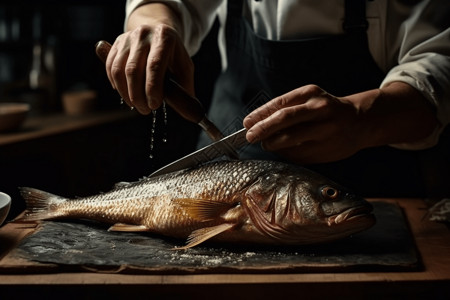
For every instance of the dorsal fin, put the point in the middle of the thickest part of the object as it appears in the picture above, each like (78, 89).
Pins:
(121, 184)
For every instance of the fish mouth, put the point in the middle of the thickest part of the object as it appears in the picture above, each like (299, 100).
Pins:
(352, 214)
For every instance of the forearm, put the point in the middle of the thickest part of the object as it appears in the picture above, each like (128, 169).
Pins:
(394, 114)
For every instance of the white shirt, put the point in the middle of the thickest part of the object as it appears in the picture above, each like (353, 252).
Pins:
(410, 42)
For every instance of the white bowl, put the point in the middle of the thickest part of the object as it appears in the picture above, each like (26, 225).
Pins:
(12, 115)
(5, 205)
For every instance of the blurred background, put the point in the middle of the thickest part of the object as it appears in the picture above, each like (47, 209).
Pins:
(46, 55)
(46, 48)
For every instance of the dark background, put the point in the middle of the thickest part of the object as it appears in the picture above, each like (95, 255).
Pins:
(67, 31)
(91, 160)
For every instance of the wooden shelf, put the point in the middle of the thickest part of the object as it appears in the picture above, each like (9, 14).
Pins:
(54, 124)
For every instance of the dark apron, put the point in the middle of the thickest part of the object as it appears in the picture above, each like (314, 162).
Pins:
(340, 64)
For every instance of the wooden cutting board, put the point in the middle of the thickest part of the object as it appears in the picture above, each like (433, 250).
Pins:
(81, 246)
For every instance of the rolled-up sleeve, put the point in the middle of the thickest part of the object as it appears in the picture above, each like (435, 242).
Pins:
(423, 61)
(196, 16)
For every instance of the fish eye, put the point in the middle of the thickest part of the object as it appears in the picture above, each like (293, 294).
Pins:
(329, 192)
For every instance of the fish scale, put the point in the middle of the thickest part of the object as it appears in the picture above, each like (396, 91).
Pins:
(261, 202)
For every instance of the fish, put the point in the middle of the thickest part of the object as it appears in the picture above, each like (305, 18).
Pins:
(242, 202)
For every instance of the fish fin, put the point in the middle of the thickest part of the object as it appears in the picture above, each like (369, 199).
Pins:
(128, 227)
(203, 209)
(262, 224)
(40, 205)
(200, 235)
(121, 184)
(126, 184)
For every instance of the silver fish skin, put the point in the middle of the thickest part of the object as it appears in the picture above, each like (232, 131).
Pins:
(252, 202)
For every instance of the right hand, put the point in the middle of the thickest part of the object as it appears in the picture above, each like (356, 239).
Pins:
(140, 59)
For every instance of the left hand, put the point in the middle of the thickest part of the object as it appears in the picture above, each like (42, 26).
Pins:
(307, 125)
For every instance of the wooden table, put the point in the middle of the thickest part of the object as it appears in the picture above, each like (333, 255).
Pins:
(431, 282)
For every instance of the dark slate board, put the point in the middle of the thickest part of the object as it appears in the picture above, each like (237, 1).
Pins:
(388, 246)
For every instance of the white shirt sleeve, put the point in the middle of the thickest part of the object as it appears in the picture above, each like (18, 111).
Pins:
(197, 18)
(420, 55)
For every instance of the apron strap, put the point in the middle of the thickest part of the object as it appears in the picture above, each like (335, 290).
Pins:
(235, 8)
(355, 16)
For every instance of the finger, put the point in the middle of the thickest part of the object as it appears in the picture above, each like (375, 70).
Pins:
(289, 137)
(183, 68)
(264, 111)
(157, 63)
(279, 121)
(135, 74)
(292, 98)
(329, 133)
(302, 134)
(108, 64)
(116, 65)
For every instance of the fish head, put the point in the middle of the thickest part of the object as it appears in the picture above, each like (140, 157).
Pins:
(343, 212)
(303, 207)
(326, 210)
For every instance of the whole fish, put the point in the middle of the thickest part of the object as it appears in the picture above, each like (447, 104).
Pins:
(262, 202)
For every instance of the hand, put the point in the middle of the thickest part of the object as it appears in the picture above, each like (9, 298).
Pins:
(306, 125)
(140, 58)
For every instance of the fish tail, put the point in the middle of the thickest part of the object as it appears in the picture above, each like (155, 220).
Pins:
(40, 205)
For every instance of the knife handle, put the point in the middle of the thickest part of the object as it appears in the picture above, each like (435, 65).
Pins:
(187, 106)
(182, 102)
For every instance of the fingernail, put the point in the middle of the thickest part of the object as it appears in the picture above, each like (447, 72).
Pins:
(250, 136)
(246, 122)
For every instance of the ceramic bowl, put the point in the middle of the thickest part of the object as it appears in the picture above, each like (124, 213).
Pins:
(79, 102)
(5, 205)
(12, 115)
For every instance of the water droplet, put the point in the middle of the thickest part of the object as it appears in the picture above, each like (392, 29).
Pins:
(152, 134)
(164, 139)
(153, 129)
(165, 113)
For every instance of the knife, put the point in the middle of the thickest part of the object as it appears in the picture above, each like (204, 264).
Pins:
(187, 106)
(212, 151)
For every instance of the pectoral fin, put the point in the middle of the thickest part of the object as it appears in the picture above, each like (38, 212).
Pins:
(204, 209)
(200, 235)
(128, 227)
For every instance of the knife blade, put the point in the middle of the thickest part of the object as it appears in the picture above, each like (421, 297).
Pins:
(187, 106)
(212, 151)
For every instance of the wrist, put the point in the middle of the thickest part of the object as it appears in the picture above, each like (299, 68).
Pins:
(396, 113)
(154, 14)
